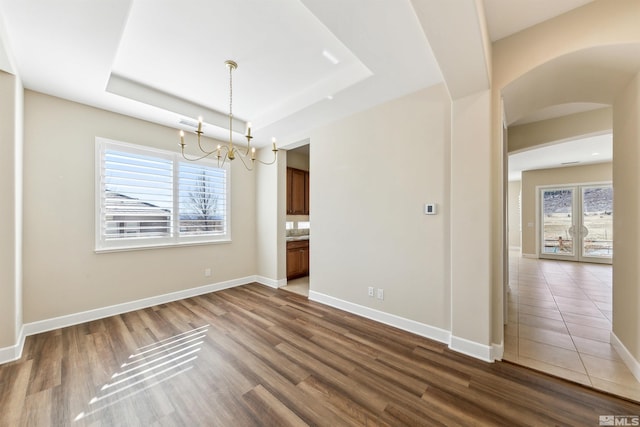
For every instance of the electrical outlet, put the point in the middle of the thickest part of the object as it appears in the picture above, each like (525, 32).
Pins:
(207, 272)
(380, 293)
(370, 291)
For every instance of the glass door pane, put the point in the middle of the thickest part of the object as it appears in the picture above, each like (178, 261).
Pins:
(557, 222)
(597, 221)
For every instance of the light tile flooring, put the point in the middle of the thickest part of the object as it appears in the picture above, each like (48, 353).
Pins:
(559, 322)
(298, 286)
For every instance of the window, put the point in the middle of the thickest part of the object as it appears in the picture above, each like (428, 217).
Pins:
(147, 197)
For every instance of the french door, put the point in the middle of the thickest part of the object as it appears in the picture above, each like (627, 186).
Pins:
(576, 223)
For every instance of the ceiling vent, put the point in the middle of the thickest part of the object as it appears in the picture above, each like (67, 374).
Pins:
(569, 163)
(190, 123)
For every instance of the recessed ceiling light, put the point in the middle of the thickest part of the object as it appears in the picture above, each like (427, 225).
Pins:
(330, 97)
(595, 154)
(569, 163)
(330, 57)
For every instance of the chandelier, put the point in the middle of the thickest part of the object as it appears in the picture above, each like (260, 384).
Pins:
(230, 151)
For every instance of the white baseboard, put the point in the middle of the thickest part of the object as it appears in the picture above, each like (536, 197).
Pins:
(14, 352)
(405, 324)
(461, 345)
(472, 348)
(272, 283)
(529, 255)
(8, 354)
(626, 356)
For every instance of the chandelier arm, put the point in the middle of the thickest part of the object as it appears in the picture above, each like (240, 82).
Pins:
(224, 160)
(200, 146)
(249, 168)
(195, 159)
(267, 163)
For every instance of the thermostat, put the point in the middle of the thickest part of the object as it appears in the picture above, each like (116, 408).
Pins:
(430, 209)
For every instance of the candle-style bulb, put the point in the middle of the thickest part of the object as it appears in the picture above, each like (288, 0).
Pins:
(253, 153)
(181, 137)
(273, 142)
(200, 124)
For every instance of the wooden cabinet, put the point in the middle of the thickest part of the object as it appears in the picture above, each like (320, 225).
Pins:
(297, 259)
(297, 192)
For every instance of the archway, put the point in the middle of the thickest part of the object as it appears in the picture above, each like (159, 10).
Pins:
(572, 83)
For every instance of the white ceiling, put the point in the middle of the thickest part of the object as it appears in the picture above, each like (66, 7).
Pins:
(163, 60)
(593, 149)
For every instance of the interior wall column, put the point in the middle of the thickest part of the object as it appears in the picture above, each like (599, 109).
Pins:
(11, 96)
(626, 227)
(471, 225)
(271, 211)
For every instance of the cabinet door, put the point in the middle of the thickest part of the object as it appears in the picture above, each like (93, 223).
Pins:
(298, 185)
(289, 195)
(306, 193)
(304, 255)
(293, 263)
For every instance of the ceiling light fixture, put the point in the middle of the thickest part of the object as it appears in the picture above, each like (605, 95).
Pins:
(230, 151)
(330, 57)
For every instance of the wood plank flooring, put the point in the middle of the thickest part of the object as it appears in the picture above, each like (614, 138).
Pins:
(253, 356)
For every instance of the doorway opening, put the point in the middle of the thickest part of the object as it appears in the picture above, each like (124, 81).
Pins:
(298, 225)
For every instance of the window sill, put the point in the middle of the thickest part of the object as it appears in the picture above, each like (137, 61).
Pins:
(160, 246)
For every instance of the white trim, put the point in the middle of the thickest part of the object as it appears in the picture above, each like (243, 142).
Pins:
(626, 356)
(405, 324)
(272, 283)
(14, 352)
(497, 351)
(515, 248)
(534, 256)
(99, 313)
(471, 348)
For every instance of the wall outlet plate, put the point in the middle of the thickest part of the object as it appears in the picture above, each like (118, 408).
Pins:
(370, 291)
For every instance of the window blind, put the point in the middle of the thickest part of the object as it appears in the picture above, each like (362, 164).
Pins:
(148, 197)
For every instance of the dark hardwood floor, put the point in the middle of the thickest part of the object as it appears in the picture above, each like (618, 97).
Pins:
(257, 356)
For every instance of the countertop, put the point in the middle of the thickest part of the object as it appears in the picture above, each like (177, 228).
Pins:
(296, 238)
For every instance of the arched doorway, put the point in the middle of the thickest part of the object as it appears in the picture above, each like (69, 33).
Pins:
(573, 74)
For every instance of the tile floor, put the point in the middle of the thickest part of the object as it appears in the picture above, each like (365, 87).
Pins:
(559, 322)
(298, 286)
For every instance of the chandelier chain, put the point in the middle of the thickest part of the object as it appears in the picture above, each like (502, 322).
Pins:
(230, 103)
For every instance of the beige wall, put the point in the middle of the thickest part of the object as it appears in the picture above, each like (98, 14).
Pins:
(626, 223)
(367, 207)
(514, 213)
(297, 160)
(555, 130)
(600, 172)
(10, 209)
(62, 273)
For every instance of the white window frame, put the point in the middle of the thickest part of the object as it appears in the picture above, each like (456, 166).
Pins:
(104, 244)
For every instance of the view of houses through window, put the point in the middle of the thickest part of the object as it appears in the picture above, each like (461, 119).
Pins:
(150, 197)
